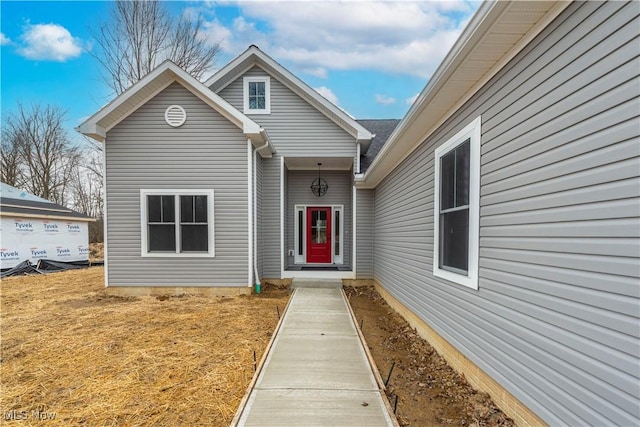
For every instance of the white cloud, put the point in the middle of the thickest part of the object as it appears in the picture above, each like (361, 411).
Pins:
(384, 99)
(397, 37)
(411, 99)
(319, 72)
(327, 93)
(236, 38)
(4, 40)
(49, 42)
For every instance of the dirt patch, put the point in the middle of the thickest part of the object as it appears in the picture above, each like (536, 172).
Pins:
(72, 352)
(429, 392)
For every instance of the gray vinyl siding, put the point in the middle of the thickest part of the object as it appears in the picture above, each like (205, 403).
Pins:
(271, 217)
(364, 233)
(296, 128)
(259, 236)
(207, 152)
(339, 193)
(555, 318)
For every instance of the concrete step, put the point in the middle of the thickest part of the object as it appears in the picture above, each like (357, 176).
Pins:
(317, 283)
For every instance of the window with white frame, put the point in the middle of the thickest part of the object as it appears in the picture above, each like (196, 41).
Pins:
(300, 228)
(457, 207)
(257, 95)
(338, 228)
(177, 222)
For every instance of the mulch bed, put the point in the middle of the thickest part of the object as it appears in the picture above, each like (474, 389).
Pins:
(428, 391)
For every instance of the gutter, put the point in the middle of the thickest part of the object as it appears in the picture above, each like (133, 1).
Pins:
(437, 80)
(413, 130)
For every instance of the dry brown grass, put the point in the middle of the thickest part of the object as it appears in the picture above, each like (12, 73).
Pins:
(96, 251)
(92, 359)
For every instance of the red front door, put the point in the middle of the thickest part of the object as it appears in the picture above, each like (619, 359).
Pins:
(319, 235)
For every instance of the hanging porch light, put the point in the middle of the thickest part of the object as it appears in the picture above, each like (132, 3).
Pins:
(319, 186)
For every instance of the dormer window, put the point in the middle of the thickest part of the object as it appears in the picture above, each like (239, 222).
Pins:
(257, 95)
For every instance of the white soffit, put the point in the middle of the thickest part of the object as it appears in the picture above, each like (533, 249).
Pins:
(311, 163)
(495, 34)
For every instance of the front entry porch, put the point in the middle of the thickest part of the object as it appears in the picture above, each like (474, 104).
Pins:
(318, 227)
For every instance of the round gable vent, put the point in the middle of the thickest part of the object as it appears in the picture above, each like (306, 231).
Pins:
(175, 116)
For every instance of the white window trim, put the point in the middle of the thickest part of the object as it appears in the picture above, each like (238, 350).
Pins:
(473, 132)
(337, 259)
(300, 259)
(144, 250)
(267, 94)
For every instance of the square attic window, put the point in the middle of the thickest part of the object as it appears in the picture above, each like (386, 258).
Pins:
(257, 95)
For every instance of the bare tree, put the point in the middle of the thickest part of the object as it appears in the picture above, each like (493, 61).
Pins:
(87, 183)
(142, 34)
(11, 171)
(87, 190)
(39, 151)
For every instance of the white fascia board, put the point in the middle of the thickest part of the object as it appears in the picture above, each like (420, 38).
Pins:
(269, 150)
(484, 19)
(232, 65)
(260, 141)
(93, 130)
(93, 127)
(305, 91)
(214, 100)
(251, 129)
(292, 82)
(467, 39)
(95, 119)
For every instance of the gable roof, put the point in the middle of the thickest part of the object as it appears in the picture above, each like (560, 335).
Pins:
(254, 56)
(9, 192)
(19, 203)
(153, 83)
(496, 33)
(381, 130)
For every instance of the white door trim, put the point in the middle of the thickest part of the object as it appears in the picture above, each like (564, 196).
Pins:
(301, 258)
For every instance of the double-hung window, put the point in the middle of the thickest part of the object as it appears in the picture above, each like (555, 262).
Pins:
(177, 222)
(457, 207)
(257, 95)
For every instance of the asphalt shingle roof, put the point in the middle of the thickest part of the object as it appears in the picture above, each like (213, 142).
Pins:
(382, 129)
(16, 202)
(19, 207)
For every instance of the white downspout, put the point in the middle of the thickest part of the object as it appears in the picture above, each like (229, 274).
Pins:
(255, 214)
(250, 210)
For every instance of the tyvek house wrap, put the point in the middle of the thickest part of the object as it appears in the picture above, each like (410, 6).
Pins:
(34, 239)
(33, 228)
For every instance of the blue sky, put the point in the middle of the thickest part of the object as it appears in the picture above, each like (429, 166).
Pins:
(371, 58)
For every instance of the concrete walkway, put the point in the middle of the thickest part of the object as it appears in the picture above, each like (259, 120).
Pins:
(316, 372)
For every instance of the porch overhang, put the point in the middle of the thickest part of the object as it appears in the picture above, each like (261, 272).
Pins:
(311, 163)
